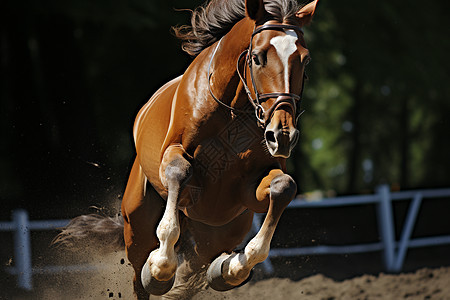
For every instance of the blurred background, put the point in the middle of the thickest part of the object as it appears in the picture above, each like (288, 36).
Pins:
(75, 73)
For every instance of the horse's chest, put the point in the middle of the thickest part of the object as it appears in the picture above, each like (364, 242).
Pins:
(233, 149)
(227, 167)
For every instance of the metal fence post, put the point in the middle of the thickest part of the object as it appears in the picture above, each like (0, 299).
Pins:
(407, 231)
(386, 226)
(22, 250)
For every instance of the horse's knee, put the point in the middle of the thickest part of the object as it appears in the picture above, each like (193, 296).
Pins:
(283, 188)
(178, 172)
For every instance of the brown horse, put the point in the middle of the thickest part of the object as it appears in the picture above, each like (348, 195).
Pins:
(212, 145)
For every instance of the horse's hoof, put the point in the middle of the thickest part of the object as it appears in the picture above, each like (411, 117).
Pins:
(153, 285)
(215, 279)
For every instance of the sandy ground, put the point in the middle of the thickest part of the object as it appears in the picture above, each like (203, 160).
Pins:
(114, 282)
(423, 284)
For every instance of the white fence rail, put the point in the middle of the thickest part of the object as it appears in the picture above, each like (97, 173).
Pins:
(394, 252)
(21, 226)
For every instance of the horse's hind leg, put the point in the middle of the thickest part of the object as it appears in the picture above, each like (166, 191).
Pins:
(159, 270)
(211, 241)
(141, 214)
(228, 271)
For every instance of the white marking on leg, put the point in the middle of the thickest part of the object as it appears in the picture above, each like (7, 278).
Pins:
(256, 251)
(285, 46)
(164, 260)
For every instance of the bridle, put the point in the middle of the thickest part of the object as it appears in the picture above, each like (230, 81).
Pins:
(263, 116)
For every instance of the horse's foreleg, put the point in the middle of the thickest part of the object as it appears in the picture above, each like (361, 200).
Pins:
(235, 268)
(159, 270)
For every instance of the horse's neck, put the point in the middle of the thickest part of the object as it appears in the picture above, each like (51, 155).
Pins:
(232, 45)
(238, 38)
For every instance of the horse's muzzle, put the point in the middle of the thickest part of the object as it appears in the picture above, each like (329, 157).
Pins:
(281, 142)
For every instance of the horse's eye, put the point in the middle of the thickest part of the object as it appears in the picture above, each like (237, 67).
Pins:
(256, 60)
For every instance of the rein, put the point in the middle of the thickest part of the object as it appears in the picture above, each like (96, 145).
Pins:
(262, 116)
(209, 84)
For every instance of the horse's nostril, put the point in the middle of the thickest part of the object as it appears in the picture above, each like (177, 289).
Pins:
(270, 137)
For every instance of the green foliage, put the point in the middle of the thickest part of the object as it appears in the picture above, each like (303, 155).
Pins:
(378, 94)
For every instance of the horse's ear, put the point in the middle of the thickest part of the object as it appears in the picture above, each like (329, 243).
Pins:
(255, 9)
(305, 14)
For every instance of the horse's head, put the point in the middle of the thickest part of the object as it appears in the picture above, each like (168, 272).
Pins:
(277, 57)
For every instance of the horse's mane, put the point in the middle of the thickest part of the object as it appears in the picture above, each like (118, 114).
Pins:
(215, 18)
